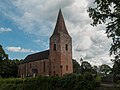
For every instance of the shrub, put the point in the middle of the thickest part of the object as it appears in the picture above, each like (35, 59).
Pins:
(67, 82)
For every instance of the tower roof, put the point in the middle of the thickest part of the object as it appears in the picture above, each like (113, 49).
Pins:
(60, 24)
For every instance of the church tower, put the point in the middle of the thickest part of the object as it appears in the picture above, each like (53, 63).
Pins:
(60, 49)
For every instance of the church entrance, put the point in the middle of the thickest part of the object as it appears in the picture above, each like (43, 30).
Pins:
(34, 72)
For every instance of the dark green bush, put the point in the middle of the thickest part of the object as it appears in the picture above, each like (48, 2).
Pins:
(67, 82)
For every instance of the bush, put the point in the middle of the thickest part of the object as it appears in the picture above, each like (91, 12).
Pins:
(67, 82)
(97, 81)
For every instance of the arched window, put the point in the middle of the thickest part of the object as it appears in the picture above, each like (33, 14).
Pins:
(54, 47)
(66, 47)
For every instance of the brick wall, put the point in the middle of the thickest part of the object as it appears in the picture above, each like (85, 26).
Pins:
(40, 67)
(61, 58)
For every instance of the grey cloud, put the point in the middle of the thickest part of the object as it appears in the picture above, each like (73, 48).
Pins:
(99, 49)
(89, 55)
(85, 44)
(38, 18)
(38, 15)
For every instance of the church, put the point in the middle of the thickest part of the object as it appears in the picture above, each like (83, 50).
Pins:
(56, 61)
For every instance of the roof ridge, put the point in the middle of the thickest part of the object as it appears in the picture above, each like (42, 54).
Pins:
(39, 52)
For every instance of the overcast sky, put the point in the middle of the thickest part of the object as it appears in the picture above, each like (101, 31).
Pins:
(26, 25)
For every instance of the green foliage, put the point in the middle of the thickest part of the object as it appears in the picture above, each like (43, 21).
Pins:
(108, 12)
(9, 68)
(105, 69)
(97, 81)
(116, 67)
(67, 82)
(3, 55)
(86, 67)
(76, 67)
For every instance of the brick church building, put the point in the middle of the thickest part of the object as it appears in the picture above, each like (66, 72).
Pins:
(56, 61)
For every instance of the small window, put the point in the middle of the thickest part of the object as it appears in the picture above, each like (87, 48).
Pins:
(61, 66)
(66, 47)
(54, 47)
(66, 67)
(44, 66)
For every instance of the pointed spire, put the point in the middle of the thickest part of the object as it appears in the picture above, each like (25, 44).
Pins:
(60, 25)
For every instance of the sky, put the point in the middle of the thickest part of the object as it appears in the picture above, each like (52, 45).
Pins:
(26, 25)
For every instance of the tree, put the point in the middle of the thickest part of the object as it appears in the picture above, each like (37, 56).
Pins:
(108, 12)
(3, 55)
(76, 67)
(94, 70)
(105, 69)
(116, 67)
(8, 68)
(85, 67)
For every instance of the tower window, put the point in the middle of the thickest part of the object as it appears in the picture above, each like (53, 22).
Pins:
(54, 47)
(66, 67)
(66, 47)
(61, 66)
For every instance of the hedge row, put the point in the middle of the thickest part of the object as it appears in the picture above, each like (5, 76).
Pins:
(68, 82)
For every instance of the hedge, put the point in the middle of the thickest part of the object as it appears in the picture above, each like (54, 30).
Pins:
(67, 82)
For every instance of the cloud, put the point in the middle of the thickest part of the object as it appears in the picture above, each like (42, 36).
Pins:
(98, 51)
(3, 30)
(85, 44)
(38, 17)
(19, 49)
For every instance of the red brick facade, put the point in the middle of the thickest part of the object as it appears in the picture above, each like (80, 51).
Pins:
(34, 68)
(54, 62)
